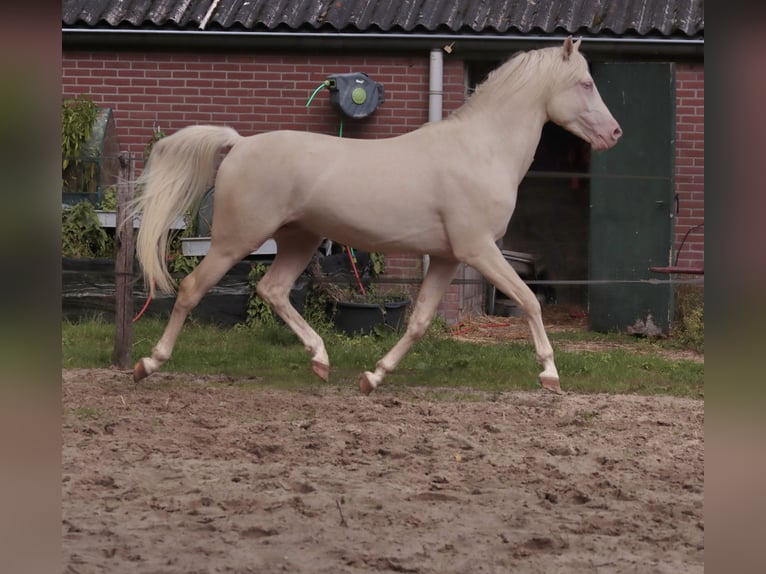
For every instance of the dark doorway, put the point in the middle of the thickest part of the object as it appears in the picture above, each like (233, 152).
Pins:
(550, 224)
(551, 220)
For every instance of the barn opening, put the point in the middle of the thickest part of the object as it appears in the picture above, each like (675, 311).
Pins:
(547, 238)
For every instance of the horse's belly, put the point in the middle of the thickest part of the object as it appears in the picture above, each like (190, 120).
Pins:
(384, 230)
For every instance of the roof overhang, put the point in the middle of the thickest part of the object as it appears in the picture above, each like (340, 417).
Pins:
(467, 45)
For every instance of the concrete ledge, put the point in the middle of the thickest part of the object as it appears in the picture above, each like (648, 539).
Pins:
(198, 246)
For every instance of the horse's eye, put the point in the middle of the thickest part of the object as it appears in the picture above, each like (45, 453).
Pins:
(587, 84)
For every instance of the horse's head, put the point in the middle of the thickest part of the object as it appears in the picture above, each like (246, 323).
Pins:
(576, 105)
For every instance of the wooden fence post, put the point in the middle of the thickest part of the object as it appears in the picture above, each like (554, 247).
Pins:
(123, 268)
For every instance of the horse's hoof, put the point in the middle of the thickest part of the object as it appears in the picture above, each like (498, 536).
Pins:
(139, 371)
(366, 386)
(321, 370)
(551, 384)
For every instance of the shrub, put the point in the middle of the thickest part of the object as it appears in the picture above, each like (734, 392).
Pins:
(77, 118)
(81, 233)
(689, 322)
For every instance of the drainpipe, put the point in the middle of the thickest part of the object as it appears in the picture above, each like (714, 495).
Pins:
(435, 99)
(435, 85)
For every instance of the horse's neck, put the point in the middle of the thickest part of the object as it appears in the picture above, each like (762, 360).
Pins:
(512, 127)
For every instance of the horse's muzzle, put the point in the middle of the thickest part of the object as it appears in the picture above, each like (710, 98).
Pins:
(603, 142)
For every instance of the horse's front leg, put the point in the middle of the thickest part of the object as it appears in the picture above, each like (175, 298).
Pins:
(435, 283)
(491, 263)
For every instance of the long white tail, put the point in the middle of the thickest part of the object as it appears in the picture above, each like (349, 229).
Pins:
(179, 171)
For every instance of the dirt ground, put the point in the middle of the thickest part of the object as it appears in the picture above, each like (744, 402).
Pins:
(184, 474)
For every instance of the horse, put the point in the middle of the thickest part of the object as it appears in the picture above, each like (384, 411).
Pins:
(446, 189)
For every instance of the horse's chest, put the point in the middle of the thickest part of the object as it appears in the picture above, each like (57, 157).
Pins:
(498, 211)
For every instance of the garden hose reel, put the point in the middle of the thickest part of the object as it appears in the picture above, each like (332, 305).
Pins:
(354, 94)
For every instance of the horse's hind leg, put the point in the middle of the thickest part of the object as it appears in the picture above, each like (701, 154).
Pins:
(491, 263)
(210, 270)
(435, 283)
(294, 251)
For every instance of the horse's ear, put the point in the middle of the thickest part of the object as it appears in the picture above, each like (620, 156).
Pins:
(569, 47)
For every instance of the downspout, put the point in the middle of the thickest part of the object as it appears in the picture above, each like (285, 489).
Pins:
(435, 101)
(435, 85)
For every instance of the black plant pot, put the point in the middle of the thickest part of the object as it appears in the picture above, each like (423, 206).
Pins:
(357, 318)
(354, 318)
(298, 295)
(395, 313)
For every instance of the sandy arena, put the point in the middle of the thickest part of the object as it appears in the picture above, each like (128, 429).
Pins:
(186, 474)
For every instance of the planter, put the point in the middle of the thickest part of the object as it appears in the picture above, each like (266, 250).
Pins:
(109, 219)
(88, 290)
(298, 294)
(357, 318)
(396, 312)
(354, 318)
(199, 246)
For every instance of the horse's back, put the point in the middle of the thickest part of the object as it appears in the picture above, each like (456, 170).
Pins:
(308, 163)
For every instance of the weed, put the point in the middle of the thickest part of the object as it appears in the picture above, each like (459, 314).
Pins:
(259, 312)
(77, 118)
(81, 233)
(87, 413)
(690, 317)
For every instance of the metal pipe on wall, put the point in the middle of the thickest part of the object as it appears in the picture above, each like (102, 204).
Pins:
(435, 100)
(435, 85)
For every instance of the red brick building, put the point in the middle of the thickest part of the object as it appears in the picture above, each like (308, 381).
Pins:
(254, 65)
(690, 163)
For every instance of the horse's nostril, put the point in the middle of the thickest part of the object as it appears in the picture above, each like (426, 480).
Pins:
(617, 132)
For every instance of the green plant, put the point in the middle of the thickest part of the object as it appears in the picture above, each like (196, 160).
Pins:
(183, 264)
(77, 118)
(81, 233)
(258, 311)
(88, 413)
(378, 263)
(438, 327)
(331, 290)
(157, 135)
(690, 317)
(109, 199)
(373, 294)
(317, 310)
(179, 263)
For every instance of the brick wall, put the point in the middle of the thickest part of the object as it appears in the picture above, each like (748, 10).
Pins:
(252, 93)
(690, 165)
(262, 92)
(256, 93)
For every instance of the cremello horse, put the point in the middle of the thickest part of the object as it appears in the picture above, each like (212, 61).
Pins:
(447, 189)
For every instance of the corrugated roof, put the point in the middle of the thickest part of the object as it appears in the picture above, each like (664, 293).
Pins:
(664, 18)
